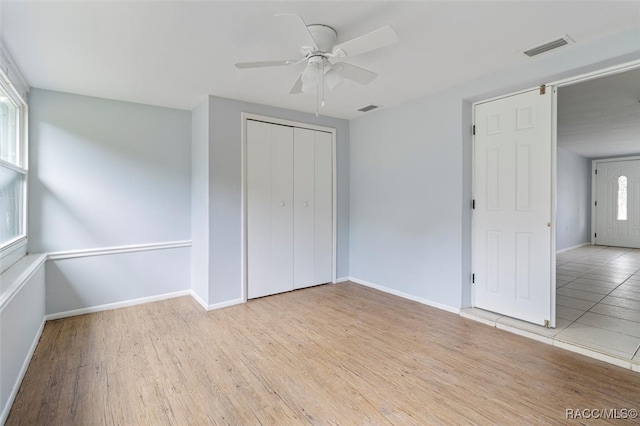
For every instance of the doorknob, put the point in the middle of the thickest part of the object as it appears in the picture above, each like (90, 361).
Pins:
(282, 203)
(305, 204)
(549, 224)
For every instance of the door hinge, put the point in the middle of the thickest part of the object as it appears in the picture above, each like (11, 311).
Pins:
(595, 235)
(596, 171)
(546, 323)
(473, 204)
(473, 278)
(543, 89)
(473, 129)
(596, 204)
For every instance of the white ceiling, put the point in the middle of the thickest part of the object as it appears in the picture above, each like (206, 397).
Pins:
(174, 53)
(601, 117)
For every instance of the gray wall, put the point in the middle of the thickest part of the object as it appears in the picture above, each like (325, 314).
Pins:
(410, 176)
(573, 218)
(105, 174)
(225, 190)
(200, 235)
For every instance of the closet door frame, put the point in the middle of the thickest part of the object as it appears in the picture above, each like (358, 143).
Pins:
(273, 120)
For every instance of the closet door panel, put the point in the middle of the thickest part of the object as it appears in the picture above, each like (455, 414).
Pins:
(323, 208)
(304, 204)
(282, 207)
(269, 208)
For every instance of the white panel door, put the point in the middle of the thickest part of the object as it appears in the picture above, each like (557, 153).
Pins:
(313, 244)
(269, 208)
(512, 216)
(618, 203)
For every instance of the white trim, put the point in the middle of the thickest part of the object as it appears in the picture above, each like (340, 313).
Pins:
(199, 300)
(572, 247)
(16, 279)
(285, 122)
(116, 305)
(341, 280)
(16, 387)
(12, 253)
(405, 295)
(14, 167)
(225, 304)
(553, 201)
(594, 177)
(334, 177)
(71, 254)
(616, 69)
(10, 72)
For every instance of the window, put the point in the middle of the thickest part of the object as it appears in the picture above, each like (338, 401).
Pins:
(13, 173)
(622, 198)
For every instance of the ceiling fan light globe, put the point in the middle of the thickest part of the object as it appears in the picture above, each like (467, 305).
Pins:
(333, 78)
(309, 88)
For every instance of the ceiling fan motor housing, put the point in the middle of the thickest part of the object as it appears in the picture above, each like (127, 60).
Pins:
(324, 36)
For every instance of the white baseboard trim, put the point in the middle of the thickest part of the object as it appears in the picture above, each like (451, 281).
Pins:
(197, 299)
(572, 247)
(72, 254)
(342, 280)
(16, 387)
(116, 305)
(215, 306)
(406, 295)
(224, 304)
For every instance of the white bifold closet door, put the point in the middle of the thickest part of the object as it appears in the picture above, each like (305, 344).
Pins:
(289, 208)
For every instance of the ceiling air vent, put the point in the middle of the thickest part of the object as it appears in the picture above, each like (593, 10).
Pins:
(553, 44)
(368, 108)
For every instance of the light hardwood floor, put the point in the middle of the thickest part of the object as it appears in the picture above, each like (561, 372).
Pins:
(335, 354)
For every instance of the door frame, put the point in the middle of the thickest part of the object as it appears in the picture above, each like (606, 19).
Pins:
(594, 177)
(553, 85)
(245, 116)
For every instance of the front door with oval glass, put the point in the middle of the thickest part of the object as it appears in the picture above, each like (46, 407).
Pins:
(617, 203)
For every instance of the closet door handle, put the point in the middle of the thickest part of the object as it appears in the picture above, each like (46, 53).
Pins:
(305, 204)
(282, 203)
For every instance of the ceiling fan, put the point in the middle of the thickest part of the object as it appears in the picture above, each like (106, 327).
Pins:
(319, 49)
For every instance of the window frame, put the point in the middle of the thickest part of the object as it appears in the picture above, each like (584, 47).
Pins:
(14, 249)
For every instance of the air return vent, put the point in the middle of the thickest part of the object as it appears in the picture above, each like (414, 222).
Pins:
(368, 108)
(553, 44)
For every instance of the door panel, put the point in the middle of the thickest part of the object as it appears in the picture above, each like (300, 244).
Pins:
(618, 203)
(512, 216)
(304, 205)
(269, 208)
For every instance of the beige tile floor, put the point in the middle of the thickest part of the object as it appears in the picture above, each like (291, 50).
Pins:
(597, 305)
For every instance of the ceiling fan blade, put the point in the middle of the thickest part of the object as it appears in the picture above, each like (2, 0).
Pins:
(297, 86)
(302, 31)
(262, 64)
(354, 73)
(381, 37)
